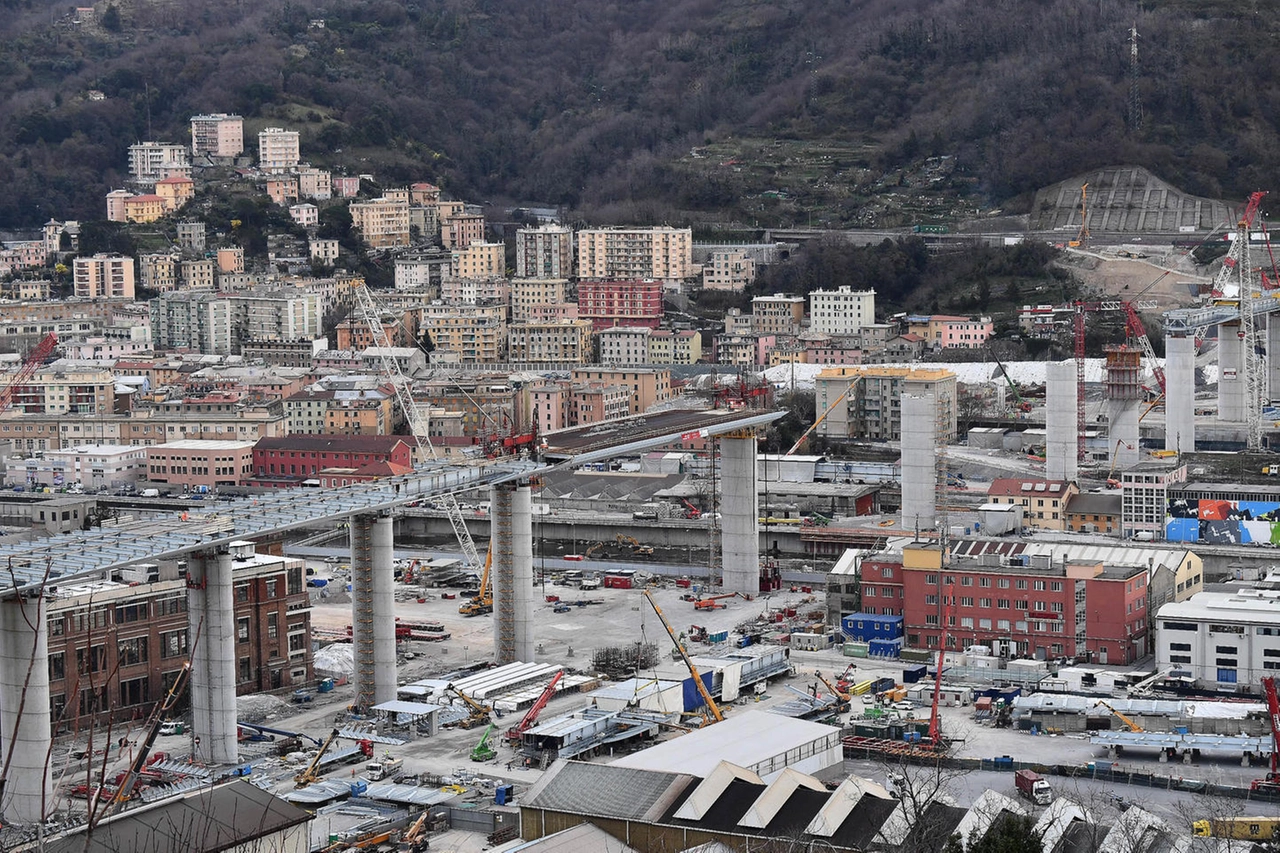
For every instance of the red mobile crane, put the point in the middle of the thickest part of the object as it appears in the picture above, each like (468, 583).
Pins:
(34, 359)
(531, 716)
(1271, 784)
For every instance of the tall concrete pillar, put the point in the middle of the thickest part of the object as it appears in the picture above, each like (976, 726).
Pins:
(1180, 393)
(1124, 398)
(211, 621)
(1273, 357)
(373, 616)
(511, 512)
(919, 462)
(739, 513)
(1062, 449)
(1232, 394)
(25, 735)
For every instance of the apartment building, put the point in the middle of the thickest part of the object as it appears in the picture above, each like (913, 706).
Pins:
(93, 466)
(750, 350)
(195, 321)
(777, 315)
(152, 161)
(423, 193)
(479, 260)
(324, 251)
(129, 637)
(596, 402)
(947, 331)
(196, 274)
(843, 311)
(282, 190)
(144, 208)
(315, 183)
(382, 222)
(626, 345)
(528, 294)
(274, 316)
(481, 399)
(175, 191)
(620, 303)
(346, 186)
(558, 342)
(306, 214)
(1144, 498)
(63, 390)
(104, 277)
(728, 270)
(678, 347)
(159, 272)
(191, 236)
(474, 291)
(278, 150)
(475, 333)
(356, 335)
(872, 409)
(626, 254)
(459, 232)
(1043, 502)
(648, 386)
(1038, 607)
(544, 252)
(423, 270)
(230, 259)
(193, 464)
(218, 135)
(331, 460)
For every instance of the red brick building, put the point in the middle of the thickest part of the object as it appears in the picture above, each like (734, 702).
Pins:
(329, 460)
(116, 646)
(620, 303)
(1031, 606)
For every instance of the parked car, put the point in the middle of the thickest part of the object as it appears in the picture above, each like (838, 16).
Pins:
(903, 706)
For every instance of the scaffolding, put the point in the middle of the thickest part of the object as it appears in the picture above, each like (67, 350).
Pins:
(502, 499)
(362, 609)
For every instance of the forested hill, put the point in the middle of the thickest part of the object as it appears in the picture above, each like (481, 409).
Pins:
(597, 105)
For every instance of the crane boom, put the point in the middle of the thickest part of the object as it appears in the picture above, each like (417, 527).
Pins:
(1133, 727)
(531, 716)
(413, 416)
(823, 416)
(1273, 711)
(935, 725)
(125, 789)
(33, 360)
(712, 708)
(306, 777)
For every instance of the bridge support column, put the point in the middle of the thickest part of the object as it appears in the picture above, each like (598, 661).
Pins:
(1180, 393)
(211, 628)
(1273, 357)
(511, 511)
(1231, 384)
(373, 609)
(25, 736)
(739, 513)
(920, 462)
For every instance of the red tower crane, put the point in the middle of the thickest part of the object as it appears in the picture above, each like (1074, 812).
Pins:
(34, 359)
(1271, 784)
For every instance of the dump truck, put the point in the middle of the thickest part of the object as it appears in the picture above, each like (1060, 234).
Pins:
(1033, 786)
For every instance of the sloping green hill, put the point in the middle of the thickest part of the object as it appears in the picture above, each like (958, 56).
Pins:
(605, 106)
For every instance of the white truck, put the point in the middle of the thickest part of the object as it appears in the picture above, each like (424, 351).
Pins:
(384, 768)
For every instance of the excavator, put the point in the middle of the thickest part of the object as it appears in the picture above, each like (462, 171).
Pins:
(479, 713)
(594, 549)
(530, 717)
(636, 548)
(713, 713)
(483, 601)
(482, 751)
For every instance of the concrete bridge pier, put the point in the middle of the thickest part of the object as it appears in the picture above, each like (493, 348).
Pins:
(211, 628)
(25, 735)
(739, 513)
(373, 618)
(511, 505)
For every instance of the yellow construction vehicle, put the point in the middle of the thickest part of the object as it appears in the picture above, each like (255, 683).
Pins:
(306, 777)
(636, 547)
(835, 691)
(124, 790)
(483, 602)
(415, 838)
(1133, 727)
(594, 549)
(713, 713)
(479, 713)
(1242, 828)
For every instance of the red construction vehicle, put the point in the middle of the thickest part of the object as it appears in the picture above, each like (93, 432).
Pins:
(1271, 784)
(690, 511)
(712, 602)
(531, 716)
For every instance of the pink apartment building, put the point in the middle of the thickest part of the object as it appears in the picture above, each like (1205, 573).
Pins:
(196, 464)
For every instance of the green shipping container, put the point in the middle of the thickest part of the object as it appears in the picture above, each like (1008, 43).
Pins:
(855, 650)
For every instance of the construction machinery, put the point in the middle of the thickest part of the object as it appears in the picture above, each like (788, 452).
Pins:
(636, 547)
(853, 383)
(34, 359)
(482, 751)
(1112, 482)
(1129, 723)
(403, 389)
(479, 713)
(1019, 403)
(415, 839)
(1082, 236)
(410, 572)
(713, 712)
(691, 511)
(935, 724)
(482, 603)
(712, 602)
(311, 774)
(516, 732)
(1134, 331)
(124, 790)
(593, 550)
(1241, 828)
(842, 695)
(1271, 784)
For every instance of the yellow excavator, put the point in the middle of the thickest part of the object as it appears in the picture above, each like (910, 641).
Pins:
(483, 601)
(636, 547)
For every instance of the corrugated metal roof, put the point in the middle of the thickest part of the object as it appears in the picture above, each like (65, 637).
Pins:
(606, 790)
(584, 836)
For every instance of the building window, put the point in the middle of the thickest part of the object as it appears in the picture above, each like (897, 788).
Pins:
(57, 666)
(242, 629)
(173, 644)
(133, 651)
(273, 626)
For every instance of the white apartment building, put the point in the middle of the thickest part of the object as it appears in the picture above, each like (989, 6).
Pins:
(618, 254)
(153, 161)
(1144, 498)
(625, 345)
(94, 466)
(217, 135)
(193, 320)
(558, 341)
(841, 312)
(479, 260)
(414, 272)
(275, 316)
(326, 251)
(382, 222)
(873, 408)
(545, 252)
(104, 277)
(527, 293)
(1222, 640)
(476, 333)
(306, 214)
(729, 270)
(278, 150)
(475, 290)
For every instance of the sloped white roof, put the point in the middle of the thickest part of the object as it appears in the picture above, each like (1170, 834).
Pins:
(711, 788)
(773, 798)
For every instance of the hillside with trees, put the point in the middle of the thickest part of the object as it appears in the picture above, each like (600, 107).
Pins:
(684, 110)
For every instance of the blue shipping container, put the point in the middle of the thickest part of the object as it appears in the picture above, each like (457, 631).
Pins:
(692, 698)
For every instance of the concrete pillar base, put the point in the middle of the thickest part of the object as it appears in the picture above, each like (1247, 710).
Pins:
(739, 514)
(511, 508)
(25, 730)
(373, 609)
(211, 621)
(1164, 757)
